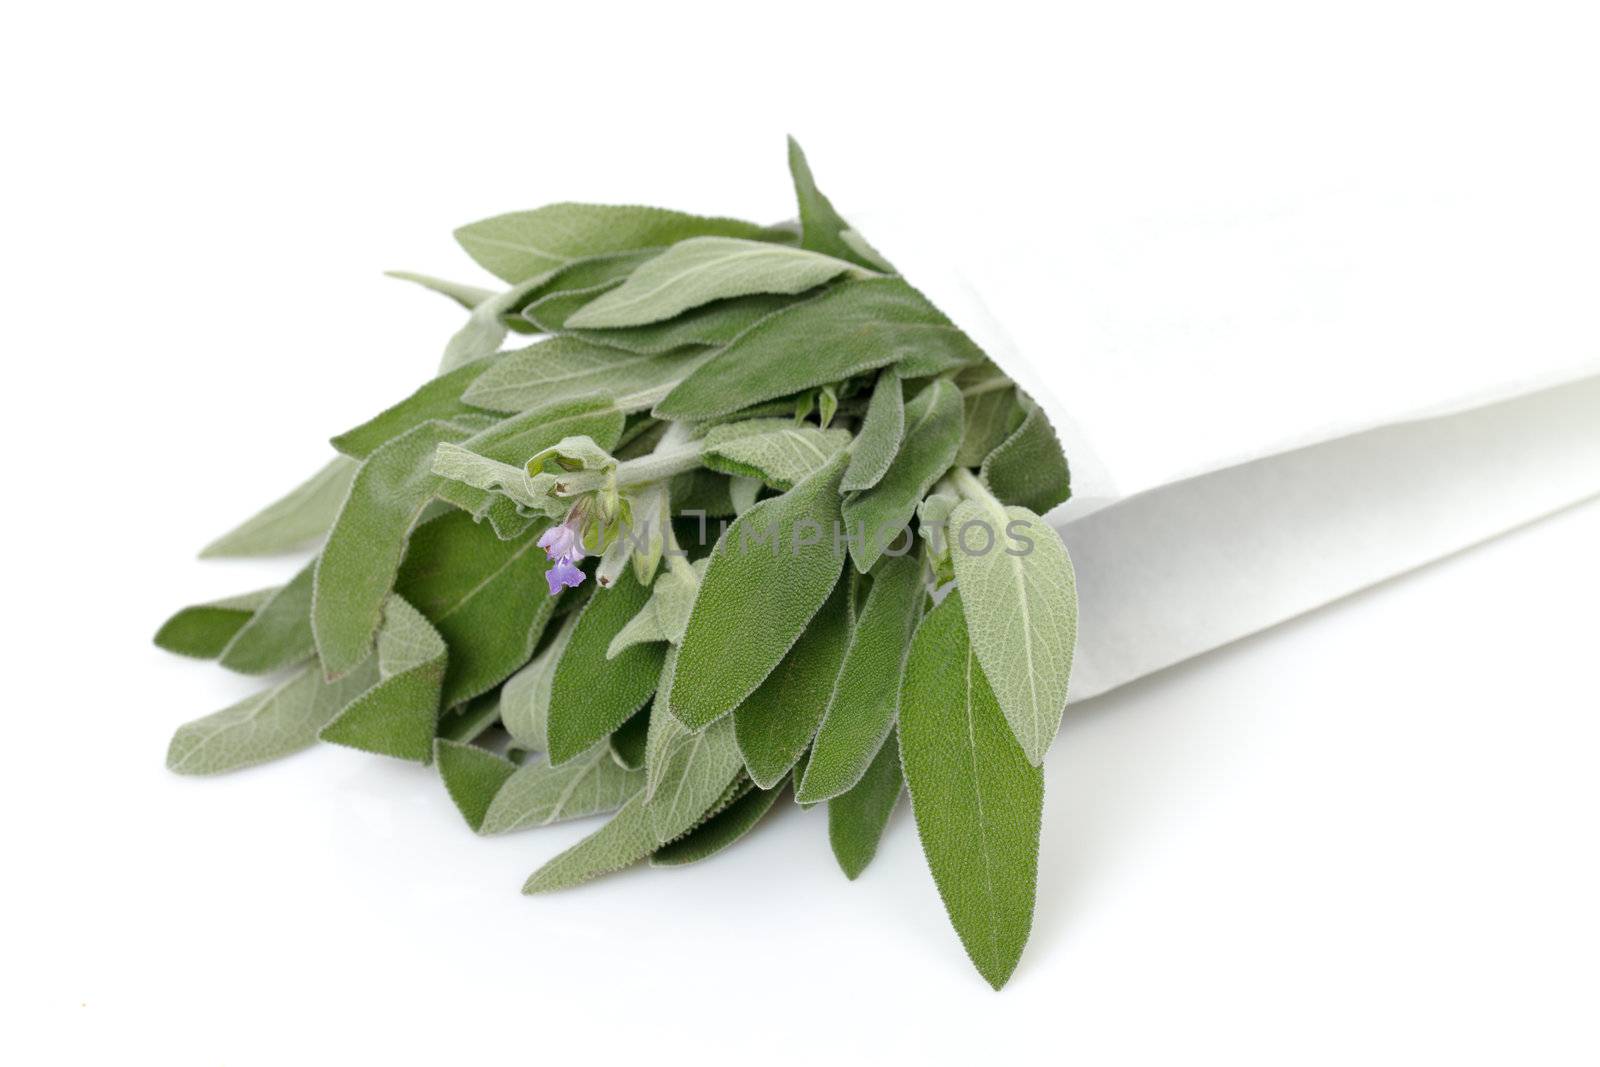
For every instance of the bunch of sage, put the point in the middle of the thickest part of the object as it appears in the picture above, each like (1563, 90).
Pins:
(750, 514)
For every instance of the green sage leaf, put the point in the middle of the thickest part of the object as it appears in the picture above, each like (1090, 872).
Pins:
(775, 724)
(714, 325)
(485, 596)
(882, 429)
(524, 244)
(358, 565)
(564, 369)
(862, 705)
(293, 521)
(767, 577)
(522, 436)
(468, 296)
(623, 841)
(1021, 604)
(275, 722)
(525, 698)
(540, 794)
(695, 272)
(877, 516)
(204, 630)
(856, 818)
(719, 832)
(848, 330)
(821, 227)
(472, 776)
(976, 798)
(1028, 468)
(279, 634)
(665, 614)
(397, 716)
(774, 450)
(590, 695)
(440, 398)
(989, 400)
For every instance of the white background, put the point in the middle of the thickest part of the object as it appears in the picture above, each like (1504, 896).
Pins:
(1365, 835)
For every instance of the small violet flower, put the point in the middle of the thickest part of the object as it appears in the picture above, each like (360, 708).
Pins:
(563, 544)
(563, 574)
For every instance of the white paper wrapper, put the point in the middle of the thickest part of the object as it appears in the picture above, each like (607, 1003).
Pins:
(1266, 411)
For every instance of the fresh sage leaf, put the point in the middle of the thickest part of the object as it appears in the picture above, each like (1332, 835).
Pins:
(627, 742)
(470, 721)
(472, 776)
(624, 840)
(774, 450)
(713, 325)
(275, 722)
(590, 695)
(821, 227)
(1021, 604)
(775, 724)
(848, 330)
(485, 596)
(976, 798)
(695, 272)
(767, 577)
(665, 614)
(989, 400)
(882, 429)
(540, 794)
(695, 776)
(295, 520)
(564, 369)
(397, 716)
(1028, 468)
(279, 634)
(525, 698)
(862, 705)
(468, 296)
(857, 817)
(440, 398)
(204, 630)
(718, 832)
(357, 568)
(517, 439)
(524, 244)
(877, 517)
(481, 475)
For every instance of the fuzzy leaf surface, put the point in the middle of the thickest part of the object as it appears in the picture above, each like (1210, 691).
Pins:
(1028, 468)
(590, 695)
(293, 521)
(848, 330)
(976, 798)
(876, 516)
(882, 429)
(524, 244)
(862, 705)
(776, 451)
(1021, 603)
(279, 634)
(856, 818)
(767, 577)
(398, 715)
(357, 568)
(539, 794)
(204, 630)
(486, 597)
(775, 723)
(695, 272)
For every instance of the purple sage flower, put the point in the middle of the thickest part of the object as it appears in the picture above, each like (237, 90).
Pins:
(562, 542)
(563, 574)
